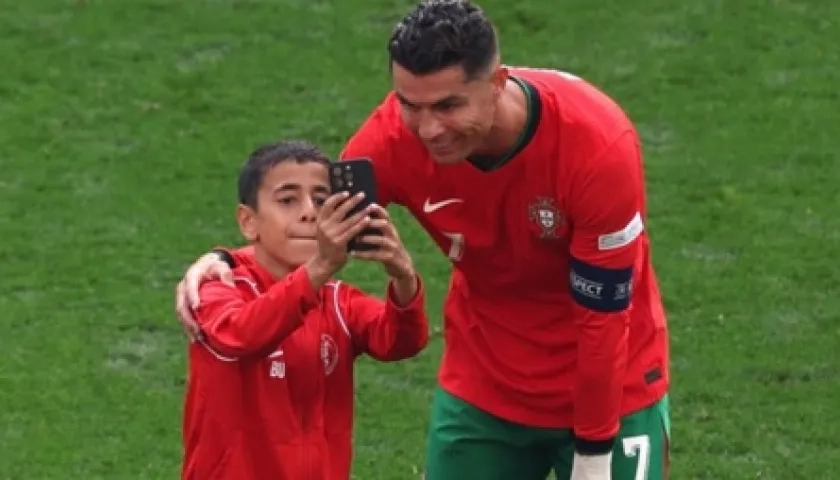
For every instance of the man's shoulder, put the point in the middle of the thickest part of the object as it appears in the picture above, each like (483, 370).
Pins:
(384, 139)
(381, 130)
(578, 105)
(565, 85)
(384, 120)
(586, 120)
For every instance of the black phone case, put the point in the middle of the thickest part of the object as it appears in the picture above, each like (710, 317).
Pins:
(354, 176)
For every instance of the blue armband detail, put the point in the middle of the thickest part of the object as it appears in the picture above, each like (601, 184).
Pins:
(600, 289)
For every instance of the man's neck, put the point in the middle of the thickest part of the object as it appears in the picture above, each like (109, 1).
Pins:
(509, 121)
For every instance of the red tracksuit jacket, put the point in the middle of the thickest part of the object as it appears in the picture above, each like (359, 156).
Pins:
(270, 390)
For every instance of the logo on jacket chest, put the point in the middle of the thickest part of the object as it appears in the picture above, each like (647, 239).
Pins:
(329, 353)
(547, 217)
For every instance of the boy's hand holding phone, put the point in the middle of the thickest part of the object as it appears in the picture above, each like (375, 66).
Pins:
(335, 228)
(356, 176)
(377, 239)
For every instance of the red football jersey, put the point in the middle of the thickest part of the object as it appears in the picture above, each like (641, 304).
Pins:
(540, 324)
(270, 389)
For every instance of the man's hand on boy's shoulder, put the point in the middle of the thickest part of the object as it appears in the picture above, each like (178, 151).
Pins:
(208, 267)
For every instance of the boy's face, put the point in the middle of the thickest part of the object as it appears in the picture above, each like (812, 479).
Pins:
(283, 224)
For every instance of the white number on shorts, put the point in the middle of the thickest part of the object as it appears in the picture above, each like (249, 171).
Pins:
(456, 249)
(638, 446)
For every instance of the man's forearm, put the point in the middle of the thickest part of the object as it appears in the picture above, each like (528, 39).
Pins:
(602, 363)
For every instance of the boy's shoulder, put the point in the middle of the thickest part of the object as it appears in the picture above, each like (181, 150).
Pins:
(245, 281)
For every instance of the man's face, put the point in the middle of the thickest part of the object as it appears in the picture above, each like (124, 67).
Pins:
(288, 202)
(451, 115)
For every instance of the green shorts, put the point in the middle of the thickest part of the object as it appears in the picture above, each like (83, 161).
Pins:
(466, 443)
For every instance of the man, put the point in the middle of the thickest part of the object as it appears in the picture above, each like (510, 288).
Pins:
(531, 182)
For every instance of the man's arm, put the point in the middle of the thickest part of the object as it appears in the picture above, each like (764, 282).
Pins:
(234, 327)
(390, 330)
(606, 211)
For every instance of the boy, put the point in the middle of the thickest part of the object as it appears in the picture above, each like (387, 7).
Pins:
(270, 393)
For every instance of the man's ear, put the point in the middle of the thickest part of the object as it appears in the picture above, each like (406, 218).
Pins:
(248, 225)
(499, 79)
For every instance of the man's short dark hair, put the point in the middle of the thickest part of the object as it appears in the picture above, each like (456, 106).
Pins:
(267, 157)
(442, 33)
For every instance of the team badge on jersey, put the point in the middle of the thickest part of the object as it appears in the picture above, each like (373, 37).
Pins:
(546, 215)
(329, 353)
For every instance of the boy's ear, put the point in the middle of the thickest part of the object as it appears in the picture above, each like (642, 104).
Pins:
(247, 218)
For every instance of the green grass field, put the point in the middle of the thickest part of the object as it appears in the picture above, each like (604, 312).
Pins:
(123, 124)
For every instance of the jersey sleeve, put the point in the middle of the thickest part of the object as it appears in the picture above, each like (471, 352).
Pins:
(606, 215)
(385, 330)
(233, 326)
(371, 141)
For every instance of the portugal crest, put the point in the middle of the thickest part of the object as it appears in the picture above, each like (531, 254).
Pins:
(546, 215)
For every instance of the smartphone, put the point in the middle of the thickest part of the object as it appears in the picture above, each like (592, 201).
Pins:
(354, 176)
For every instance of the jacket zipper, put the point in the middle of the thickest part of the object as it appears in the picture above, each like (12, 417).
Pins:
(306, 453)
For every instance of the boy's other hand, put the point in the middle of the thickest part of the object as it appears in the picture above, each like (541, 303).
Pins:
(389, 251)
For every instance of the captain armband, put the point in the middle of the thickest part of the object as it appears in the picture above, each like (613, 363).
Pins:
(600, 289)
